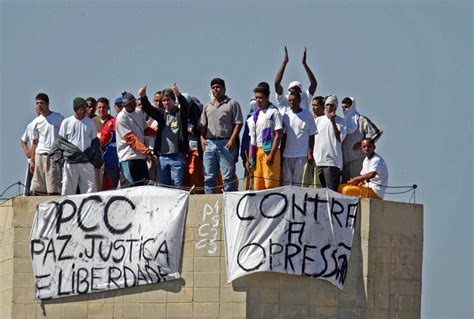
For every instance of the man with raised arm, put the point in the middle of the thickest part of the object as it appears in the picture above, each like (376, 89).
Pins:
(220, 124)
(306, 96)
(171, 141)
(373, 179)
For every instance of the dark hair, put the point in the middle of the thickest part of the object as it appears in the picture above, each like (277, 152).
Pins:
(295, 93)
(261, 89)
(91, 99)
(319, 99)
(158, 92)
(369, 139)
(264, 85)
(346, 100)
(43, 97)
(218, 81)
(169, 93)
(103, 100)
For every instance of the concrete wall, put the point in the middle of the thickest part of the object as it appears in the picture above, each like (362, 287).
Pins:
(384, 278)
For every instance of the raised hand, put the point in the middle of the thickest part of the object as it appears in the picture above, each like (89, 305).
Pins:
(175, 89)
(304, 57)
(142, 91)
(285, 59)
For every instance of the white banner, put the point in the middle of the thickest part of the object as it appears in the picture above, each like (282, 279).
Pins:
(93, 242)
(292, 230)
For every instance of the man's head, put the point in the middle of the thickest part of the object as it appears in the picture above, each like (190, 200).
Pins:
(294, 100)
(367, 147)
(318, 105)
(262, 96)
(80, 108)
(157, 100)
(138, 102)
(330, 103)
(295, 86)
(346, 103)
(118, 105)
(103, 107)
(128, 102)
(42, 103)
(169, 100)
(218, 88)
(91, 106)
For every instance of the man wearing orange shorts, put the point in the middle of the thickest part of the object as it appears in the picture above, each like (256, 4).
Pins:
(373, 179)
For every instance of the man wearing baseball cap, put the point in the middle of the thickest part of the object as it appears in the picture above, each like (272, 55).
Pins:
(132, 152)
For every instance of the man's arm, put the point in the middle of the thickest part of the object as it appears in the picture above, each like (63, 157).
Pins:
(25, 148)
(235, 135)
(107, 133)
(148, 109)
(275, 145)
(332, 118)
(311, 77)
(311, 148)
(362, 178)
(282, 144)
(183, 104)
(279, 75)
(135, 143)
(33, 156)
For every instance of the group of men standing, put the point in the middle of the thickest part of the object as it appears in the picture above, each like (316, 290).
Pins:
(181, 143)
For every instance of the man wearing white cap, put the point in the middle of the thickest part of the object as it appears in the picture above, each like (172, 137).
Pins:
(306, 96)
(328, 145)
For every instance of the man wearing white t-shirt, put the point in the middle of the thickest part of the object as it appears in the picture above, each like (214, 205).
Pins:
(328, 141)
(44, 131)
(78, 130)
(373, 179)
(299, 129)
(132, 152)
(306, 96)
(265, 130)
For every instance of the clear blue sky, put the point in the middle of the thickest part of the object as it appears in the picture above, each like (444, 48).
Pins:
(407, 63)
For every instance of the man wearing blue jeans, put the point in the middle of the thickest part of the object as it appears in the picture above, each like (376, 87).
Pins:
(171, 141)
(220, 124)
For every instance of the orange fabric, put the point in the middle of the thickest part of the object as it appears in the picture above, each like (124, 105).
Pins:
(194, 172)
(135, 143)
(266, 176)
(150, 131)
(357, 191)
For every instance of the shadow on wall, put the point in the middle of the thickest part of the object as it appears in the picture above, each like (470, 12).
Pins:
(173, 286)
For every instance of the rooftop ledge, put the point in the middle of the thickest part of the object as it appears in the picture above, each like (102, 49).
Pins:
(383, 279)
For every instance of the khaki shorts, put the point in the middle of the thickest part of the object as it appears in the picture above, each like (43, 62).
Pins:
(46, 177)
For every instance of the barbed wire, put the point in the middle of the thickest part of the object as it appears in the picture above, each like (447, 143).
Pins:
(194, 188)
